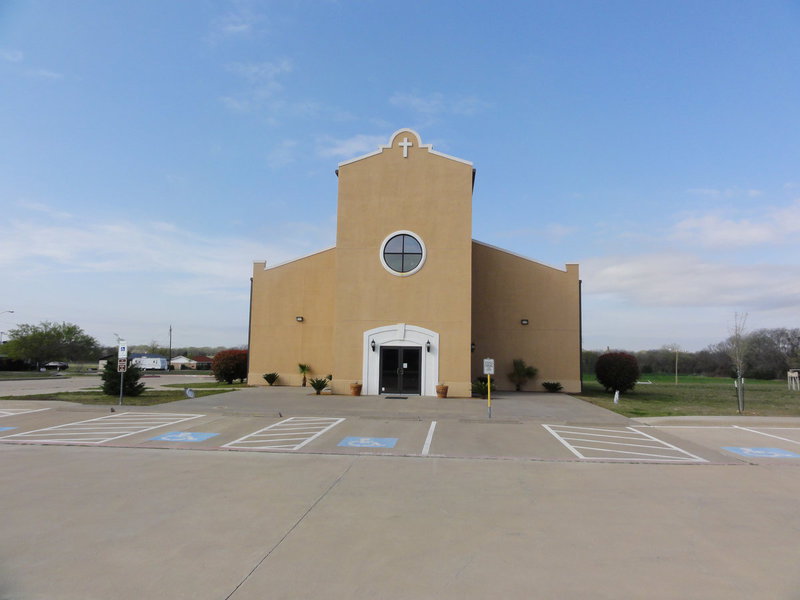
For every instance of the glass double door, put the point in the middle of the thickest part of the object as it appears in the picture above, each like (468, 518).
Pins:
(401, 371)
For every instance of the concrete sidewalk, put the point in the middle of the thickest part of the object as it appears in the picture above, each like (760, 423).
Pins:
(298, 401)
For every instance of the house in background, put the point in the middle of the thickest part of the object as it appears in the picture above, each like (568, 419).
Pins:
(180, 363)
(407, 299)
(202, 362)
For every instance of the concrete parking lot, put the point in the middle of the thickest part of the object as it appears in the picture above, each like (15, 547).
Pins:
(275, 493)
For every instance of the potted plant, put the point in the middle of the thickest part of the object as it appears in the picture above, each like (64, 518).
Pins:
(441, 390)
(355, 389)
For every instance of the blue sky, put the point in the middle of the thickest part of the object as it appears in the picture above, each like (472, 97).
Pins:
(150, 151)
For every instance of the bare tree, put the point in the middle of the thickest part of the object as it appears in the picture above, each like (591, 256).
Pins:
(737, 350)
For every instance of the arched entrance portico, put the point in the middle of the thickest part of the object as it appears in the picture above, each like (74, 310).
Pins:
(400, 358)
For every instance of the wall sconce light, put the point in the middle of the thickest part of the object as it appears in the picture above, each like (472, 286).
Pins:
(372, 345)
(472, 347)
(524, 322)
(428, 346)
(299, 319)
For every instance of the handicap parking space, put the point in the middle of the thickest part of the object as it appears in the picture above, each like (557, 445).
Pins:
(99, 430)
(378, 436)
(752, 444)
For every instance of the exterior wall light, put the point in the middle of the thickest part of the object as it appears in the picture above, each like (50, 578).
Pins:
(524, 322)
(428, 346)
(372, 345)
(299, 319)
(472, 347)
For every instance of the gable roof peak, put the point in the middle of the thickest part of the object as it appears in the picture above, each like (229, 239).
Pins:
(405, 140)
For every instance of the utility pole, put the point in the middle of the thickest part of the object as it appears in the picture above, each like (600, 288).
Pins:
(169, 360)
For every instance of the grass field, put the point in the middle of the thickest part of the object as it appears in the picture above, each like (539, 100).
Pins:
(695, 396)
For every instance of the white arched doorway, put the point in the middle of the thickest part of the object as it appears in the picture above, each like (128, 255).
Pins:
(401, 359)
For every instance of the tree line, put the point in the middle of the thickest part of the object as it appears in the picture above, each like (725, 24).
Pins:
(35, 345)
(768, 354)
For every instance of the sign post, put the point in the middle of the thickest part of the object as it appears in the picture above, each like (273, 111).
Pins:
(488, 370)
(122, 366)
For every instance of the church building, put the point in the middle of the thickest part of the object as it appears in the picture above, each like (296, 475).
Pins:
(407, 299)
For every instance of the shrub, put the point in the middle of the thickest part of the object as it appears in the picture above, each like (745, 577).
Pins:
(521, 373)
(229, 365)
(131, 385)
(318, 383)
(617, 371)
(304, 370)
(552, 386)
(481, 386)
(271, 378)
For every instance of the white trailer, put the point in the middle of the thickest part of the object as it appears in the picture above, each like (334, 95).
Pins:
(151, 363)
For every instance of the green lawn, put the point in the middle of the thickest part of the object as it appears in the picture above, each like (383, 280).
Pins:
(695, 396)
(148, 398)
(26, 374)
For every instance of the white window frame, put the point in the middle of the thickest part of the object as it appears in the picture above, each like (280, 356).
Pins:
(386, 241)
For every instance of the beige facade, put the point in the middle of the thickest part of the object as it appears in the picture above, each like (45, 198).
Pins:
(406, 299)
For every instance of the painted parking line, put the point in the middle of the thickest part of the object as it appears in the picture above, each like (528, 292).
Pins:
(426, 448)
(290, 434)
(623, 443)
(12, 412)
(101, 429)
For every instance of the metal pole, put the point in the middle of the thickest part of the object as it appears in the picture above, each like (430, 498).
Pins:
(121, 386)
(489, 393)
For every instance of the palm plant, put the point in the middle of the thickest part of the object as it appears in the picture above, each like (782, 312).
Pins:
(271, 378)
(318, 383)
(304, 370)
(521, 373)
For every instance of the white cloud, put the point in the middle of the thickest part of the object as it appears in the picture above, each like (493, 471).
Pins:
(11, 55)
(45, 74)
(733, 192)
(261, 72)
(261, 83)
(685, 280)
(283, 154)
(45, 209)
(773, 225)
(436, 104)
(240, 21)
(350, 147)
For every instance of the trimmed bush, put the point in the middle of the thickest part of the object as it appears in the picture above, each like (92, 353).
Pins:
(617, 371)
(552, 386)
(229, 365)
(271, 378)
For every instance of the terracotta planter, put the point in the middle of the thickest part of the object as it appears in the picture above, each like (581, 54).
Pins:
(355, 389)
(441, 391)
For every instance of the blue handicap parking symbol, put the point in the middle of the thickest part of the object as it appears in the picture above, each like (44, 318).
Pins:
(6, 428)
(183, 436)
(761, 452)
(368, 442)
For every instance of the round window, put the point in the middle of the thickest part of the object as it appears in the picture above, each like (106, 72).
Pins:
(402, 253)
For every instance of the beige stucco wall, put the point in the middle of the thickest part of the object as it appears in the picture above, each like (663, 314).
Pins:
(431, 196)
(278, 342)
(506, 289)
